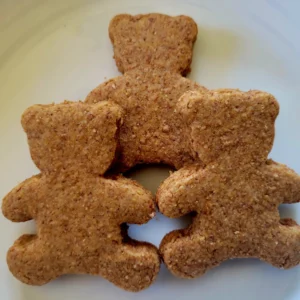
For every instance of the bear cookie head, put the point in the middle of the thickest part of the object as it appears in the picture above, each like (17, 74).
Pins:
(158, 40)
(230, 125)
(71, 136)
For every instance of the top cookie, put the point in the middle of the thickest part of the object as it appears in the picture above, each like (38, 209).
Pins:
(154, 51)
(153, 39)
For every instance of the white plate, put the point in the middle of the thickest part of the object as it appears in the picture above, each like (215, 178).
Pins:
(56, 50)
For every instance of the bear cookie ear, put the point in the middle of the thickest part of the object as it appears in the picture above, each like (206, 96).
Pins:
(228, 125)
(153, 40)
(72, 135)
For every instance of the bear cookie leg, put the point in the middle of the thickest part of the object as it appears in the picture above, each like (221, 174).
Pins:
(283, 248)
(190, 256)
(30, 263)
(132, 267)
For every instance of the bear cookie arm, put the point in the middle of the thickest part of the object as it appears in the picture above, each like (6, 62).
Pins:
(284, 183)
(18, 205)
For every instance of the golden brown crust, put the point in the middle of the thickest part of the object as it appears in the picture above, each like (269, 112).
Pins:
(78, 212)
(236, 195)
(152, 50)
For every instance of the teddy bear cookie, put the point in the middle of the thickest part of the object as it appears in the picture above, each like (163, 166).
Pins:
(236, 195)
(153, 51)
(78, 211)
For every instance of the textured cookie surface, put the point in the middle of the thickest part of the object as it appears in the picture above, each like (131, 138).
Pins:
(236, 195)
(152, 50)
(79, 213)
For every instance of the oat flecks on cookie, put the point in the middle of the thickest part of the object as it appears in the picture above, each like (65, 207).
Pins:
(78, 211)
(153, 51)
(236, 195)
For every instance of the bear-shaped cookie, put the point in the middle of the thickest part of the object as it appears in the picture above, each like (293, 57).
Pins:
(235, 196)
(153, 51)
(78, 211)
